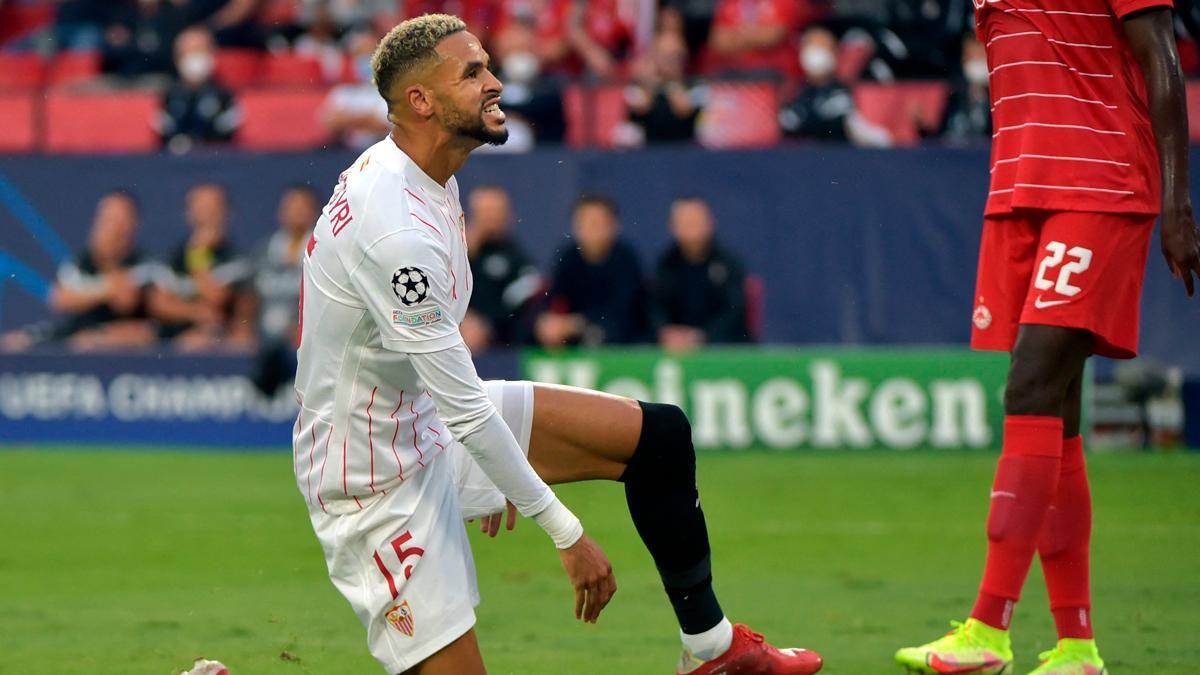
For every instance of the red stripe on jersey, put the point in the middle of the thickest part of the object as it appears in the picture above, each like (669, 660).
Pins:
(454, 289)
(371, 437)
(345, 489)
(324, 461)
(426, 224)
(295, 431)
(420, 455)
(396, 433)
(387, 575)
(312, 450)
(414, 196)
(430, 427)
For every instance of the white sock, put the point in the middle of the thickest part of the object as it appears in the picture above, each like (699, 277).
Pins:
(711, 643)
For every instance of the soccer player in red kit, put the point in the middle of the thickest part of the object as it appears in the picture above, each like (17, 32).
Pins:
(1090, 145)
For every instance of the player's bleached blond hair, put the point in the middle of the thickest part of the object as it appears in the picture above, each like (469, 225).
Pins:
(408, 46)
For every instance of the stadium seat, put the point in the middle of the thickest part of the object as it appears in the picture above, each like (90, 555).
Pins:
(852, 58)
(19, 19)
(740, 115)
(106, 122)
(594, 114)
(290, 70)
(278, 13)
(17, 122)
(21, 70)
(73, 67)
(904, 108)
(238, 68)
(281, 119)
(1193, 104)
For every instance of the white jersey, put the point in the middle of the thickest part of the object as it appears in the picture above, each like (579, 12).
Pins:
(385, 275)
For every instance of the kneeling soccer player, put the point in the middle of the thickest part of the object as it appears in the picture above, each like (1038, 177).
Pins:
(1091, 126)
(397, 440)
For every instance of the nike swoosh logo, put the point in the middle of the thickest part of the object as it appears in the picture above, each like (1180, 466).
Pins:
(1043, 304)
(1001, 493)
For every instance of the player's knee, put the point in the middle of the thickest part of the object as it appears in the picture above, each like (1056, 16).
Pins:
(664, 446)
(1034, 390)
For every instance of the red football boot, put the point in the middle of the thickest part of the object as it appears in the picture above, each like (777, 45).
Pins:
(749, 654)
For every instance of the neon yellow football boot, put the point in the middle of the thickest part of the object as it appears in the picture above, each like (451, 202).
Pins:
(972, 647)
(1071, 657)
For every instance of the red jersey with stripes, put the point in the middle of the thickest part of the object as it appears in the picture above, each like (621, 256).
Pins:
(385, 276)
(1071, 126)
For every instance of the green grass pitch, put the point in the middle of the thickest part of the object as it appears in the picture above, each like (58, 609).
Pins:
(136, 562)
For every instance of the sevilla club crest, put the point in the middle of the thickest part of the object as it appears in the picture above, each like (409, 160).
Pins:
(401, 618)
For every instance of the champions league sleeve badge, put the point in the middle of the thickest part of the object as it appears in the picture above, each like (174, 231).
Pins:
(410, 285)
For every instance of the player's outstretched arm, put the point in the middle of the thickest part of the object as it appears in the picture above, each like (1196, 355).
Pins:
(472, 419)
(1151, 36)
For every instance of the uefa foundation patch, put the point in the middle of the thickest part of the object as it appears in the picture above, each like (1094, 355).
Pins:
(401, 618)
(413, 319)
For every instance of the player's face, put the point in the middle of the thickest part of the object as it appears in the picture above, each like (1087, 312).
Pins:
(113, 228)
(297, 211)
(691, 224)
(467, 100)
(489, 210)
(206, 207)
(595, 230)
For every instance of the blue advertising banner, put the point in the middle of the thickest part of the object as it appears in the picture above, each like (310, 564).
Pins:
(153, 399)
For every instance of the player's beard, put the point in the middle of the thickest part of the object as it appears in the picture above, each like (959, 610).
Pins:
(468, 125)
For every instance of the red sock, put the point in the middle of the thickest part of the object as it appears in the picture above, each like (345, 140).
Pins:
(1064, 546)
(1024, 487)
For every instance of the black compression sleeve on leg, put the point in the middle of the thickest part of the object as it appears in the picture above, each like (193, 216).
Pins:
(660, 489)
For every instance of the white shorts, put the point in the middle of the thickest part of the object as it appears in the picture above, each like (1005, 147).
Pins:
(404, 562)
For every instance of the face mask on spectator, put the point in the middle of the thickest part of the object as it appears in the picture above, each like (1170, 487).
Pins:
(521, 67)
(817, 61)
(976, 71)
(364, 68)
(196, 67)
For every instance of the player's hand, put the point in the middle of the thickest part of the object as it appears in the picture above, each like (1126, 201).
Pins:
(1181, 245)
(591, 574)
(490, 525)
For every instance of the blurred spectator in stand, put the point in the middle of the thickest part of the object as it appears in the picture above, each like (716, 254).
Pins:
(597, 295)
(660, 99)
(754, 36)
(196, 298)
(278, 265)
(481, 16)
(603, 33)
(537, 26)
(505, 279)
(690, 18)
(968, 117)
(232, 22)
(921, 39)
(80, 24)
(138, 42)
(824, 109)
(355, 112)
(196, 109)
(699, 290)
(532, 99)
(319, 39)
(101, 292)
(574, 37)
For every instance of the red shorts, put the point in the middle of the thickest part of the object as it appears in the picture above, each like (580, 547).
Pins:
(1062, 268)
